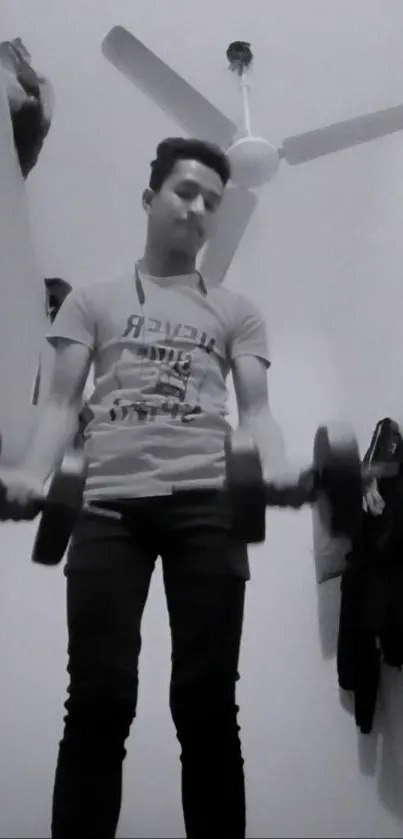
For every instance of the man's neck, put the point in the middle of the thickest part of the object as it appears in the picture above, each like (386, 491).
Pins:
(158, 264)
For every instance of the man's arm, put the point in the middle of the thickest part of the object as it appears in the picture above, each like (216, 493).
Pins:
(254, 414)
(73, 337)
(58, 418)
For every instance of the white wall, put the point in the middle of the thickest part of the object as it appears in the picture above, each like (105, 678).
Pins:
(323, 258)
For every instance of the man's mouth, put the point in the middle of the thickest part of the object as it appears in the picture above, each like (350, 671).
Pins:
(193, 228)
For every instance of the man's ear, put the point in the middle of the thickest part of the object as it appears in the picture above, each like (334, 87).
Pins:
(147, 198)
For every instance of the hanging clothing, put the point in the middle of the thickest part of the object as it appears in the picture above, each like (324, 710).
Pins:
(371, 614)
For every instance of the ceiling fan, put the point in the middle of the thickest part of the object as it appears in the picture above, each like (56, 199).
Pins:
(253, 159)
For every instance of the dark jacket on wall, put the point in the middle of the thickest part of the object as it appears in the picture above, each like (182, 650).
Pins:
(371, 614)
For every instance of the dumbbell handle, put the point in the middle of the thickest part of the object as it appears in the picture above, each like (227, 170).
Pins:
(378, 471)
(40, 504)
(305, 490)
(92, 509)
(297, 494)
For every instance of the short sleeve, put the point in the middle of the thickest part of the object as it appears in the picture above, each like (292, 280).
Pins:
(74, 321)
(249, 334)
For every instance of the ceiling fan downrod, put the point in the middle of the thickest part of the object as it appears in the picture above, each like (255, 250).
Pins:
(254, 161)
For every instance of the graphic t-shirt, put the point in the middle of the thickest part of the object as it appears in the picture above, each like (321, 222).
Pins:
(157, 416)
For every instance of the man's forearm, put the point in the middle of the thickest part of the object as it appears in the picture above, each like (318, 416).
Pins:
(268, 437)
(54, 430)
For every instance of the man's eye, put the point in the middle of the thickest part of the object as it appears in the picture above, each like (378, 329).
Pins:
(211, 204)
(185, 193)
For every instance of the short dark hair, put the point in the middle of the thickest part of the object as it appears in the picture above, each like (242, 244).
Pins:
(172, 149)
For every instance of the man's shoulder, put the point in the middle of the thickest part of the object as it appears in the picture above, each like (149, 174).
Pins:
(235, 303)
(101, 291)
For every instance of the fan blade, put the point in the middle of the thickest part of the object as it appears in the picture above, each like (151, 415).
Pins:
(342, 135)
(233, 218)
(196, 115)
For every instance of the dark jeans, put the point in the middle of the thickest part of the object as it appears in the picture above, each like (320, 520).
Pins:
(108, 571)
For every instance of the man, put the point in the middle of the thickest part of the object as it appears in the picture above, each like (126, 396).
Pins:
(162, 345)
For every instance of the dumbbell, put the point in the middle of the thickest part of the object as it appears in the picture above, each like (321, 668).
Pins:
(60, 509)
(335, 483)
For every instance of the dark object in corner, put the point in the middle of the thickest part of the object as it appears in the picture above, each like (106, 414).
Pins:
(31, 120)
(371, 614)
(56, 293)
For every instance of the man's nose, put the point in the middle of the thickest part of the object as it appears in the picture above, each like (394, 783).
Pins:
(198, 206)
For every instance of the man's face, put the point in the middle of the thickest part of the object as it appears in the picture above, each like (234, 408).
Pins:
(182, 213)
